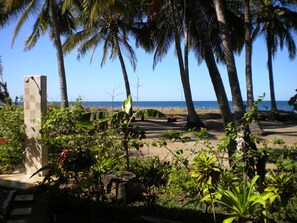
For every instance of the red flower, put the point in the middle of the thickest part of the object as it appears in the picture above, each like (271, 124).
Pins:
(64, 153)
(3, 141)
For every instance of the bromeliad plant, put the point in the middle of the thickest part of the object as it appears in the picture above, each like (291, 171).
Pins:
(243, 201)
(206, 171)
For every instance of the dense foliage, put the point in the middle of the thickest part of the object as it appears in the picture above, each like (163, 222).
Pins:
(85, 147)
(12, 136)
(84, 154)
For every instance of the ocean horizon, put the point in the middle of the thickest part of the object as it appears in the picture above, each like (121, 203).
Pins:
(204, 105)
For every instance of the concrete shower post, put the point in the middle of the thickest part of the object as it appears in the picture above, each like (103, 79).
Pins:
(36, 154)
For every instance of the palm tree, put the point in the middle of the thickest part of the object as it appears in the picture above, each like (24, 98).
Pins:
(4, 95)
(248, 54)
(238, 106)
(254, 125)
(277, 21)
(48, 16)
(167, 21)
(193, 119)
(107, 26)
(202, 31)
(207, 47)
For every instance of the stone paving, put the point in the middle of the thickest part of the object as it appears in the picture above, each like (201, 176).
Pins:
(26, 204)
(19, 180)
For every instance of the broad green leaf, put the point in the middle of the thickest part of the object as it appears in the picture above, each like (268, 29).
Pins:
(206, 198)
(230, 219)
(267, 195)
(46, 167)
(127, 105)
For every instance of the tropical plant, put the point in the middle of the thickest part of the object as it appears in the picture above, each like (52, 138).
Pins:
(203, 31)
(4, 95)
(205, 169)
(12, 136)
(242, 200)
(283, 187)
(61, 130)
(78, 155)
(180, 188)
(206, 172)
(248, 53)
(238, 107)
(152, 172)
(168, 23)
(276, 20)
(109, 25)
(121, 122)
(48, 17)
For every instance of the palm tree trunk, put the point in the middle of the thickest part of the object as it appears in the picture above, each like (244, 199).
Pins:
(270, 72)
(124, 71)
(254, 125)
(212, 67)
(214, 74)
(238, 106)
(193, 120)
(248, 54)
(60, 56)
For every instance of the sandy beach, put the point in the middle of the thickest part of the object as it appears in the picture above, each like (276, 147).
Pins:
(285, 129)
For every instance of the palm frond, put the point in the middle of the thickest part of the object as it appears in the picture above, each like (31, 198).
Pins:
(90, 43)
(27, 10)
(105, 52)
(40, 27)
(131, 53)
(75, 39)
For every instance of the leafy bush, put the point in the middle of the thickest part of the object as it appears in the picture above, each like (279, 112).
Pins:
(12, 136)
(152, 172)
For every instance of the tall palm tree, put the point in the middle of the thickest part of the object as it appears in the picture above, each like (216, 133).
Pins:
(277, 21)
(238, 106)
(168, 24)
(248, 53)
(193, 119)
(109, 26)
(202, 31)
(48, 17)
(254, 125)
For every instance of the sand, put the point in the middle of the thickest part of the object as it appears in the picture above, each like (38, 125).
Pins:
(284, 129)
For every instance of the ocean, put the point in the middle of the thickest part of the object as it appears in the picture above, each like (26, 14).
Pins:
(264, 106)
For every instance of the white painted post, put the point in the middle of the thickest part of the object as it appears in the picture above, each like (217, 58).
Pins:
(36, 154)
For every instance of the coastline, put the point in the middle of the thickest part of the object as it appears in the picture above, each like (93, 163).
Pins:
(199, 105)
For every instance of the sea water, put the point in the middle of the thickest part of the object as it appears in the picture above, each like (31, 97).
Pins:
(264, 106)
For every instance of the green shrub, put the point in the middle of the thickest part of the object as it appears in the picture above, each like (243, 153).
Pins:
(12, 136)
(61, 130)
(152, 172)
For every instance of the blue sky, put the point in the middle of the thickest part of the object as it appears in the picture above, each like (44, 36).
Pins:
(93, 83)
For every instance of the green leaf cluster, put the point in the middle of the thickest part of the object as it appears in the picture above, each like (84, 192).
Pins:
(12, 132)
(242, 200)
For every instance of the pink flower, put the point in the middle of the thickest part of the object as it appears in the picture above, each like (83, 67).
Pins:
(64, 153)
(3, 141)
